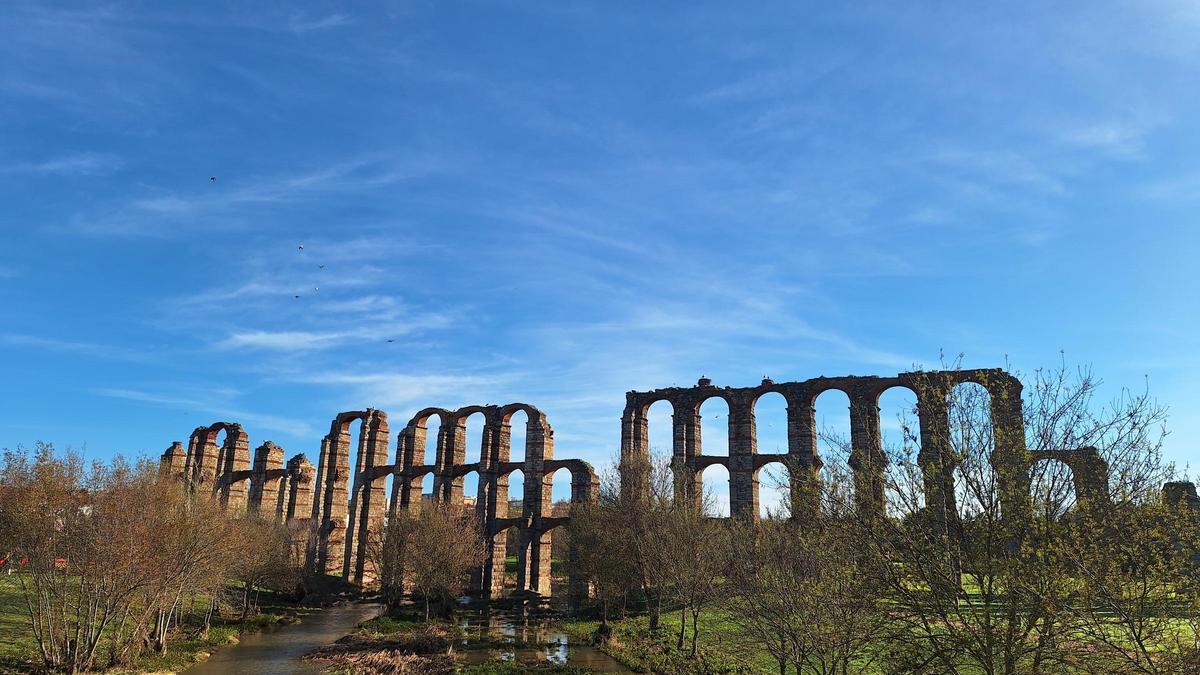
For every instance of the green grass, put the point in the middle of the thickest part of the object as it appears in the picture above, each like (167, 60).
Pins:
(16, 637)
(722, 649)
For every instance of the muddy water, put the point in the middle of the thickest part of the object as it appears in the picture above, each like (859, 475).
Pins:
(277, 650)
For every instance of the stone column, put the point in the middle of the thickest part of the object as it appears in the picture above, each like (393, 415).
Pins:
(743, 483)
(372, 495)
(235, 454)
(173, 460)
(205, 455)
(301, 475)
(539, 447)
(804, 460)
(1010, 458)
(584, 485)
(334, 505)
(867, 458)
(686, 446)
(317, 521)
(264, 481)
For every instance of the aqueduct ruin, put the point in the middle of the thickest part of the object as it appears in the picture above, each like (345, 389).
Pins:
(344, 508)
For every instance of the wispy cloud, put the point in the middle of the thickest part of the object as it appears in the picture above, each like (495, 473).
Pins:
(405, 393)
(300, 23)
(82, 348)
(86, 164)
(218, 405)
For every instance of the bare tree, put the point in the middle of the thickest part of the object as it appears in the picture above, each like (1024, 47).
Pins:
(432, 551)
(978, 588)
(805, 590)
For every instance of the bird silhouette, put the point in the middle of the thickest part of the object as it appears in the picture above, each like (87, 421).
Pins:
(391, 340)
(212, 178)
(300, 247)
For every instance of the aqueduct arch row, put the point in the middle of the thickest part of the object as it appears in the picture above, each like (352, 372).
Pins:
(346, 507)
(867, 458)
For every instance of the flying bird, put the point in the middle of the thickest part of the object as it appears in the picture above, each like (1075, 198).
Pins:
(300, 247)
(212, 178)
(391, 340)
(320, 267)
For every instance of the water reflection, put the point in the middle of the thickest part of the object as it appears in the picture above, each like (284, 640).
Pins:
(277, 650)
(493, 635)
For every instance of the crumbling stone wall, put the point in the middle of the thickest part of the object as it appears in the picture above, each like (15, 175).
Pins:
(266, 488)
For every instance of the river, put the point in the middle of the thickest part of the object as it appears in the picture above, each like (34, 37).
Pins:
(278, 650)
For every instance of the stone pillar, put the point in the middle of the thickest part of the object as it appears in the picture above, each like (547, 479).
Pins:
(331, 541)
(264, 481)
(1010, 458)
(492, 585)
(635, 457)
(204, 454)
(316, 523)
(234, 459)
(456, 456)
(444, 456)
(685, 447)
(372, 496)
(173, 460)
(804, 460)
(412, 449)
(936, 456)
(867, 458)
(743, 481)
(584, 485)
(301, 475)
(539, 447)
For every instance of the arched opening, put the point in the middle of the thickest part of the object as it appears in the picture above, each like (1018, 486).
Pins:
(1052, 488)
(513, 508)
(831, 419)
(900, 437)
(433, 426)
(774, 491)
(660, 433)
(473, 452)
(471, 490)
(518, 433)
(715, 479)
(560, 492)
(714, 427)
(971, 441)
(771, 437)
(427, 488)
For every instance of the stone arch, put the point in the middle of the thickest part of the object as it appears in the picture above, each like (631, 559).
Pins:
(772, 450)
(221, 468)
(776, 499)
(716, 478)
(1089, 473)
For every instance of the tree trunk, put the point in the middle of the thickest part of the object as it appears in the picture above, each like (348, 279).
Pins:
(682, 628)
(695, 631)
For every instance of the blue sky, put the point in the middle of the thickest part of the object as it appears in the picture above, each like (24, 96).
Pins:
(558, 202)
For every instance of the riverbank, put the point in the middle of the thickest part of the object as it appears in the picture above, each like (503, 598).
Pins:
(19, 650)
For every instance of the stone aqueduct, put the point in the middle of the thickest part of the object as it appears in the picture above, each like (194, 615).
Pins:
(344, 507)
